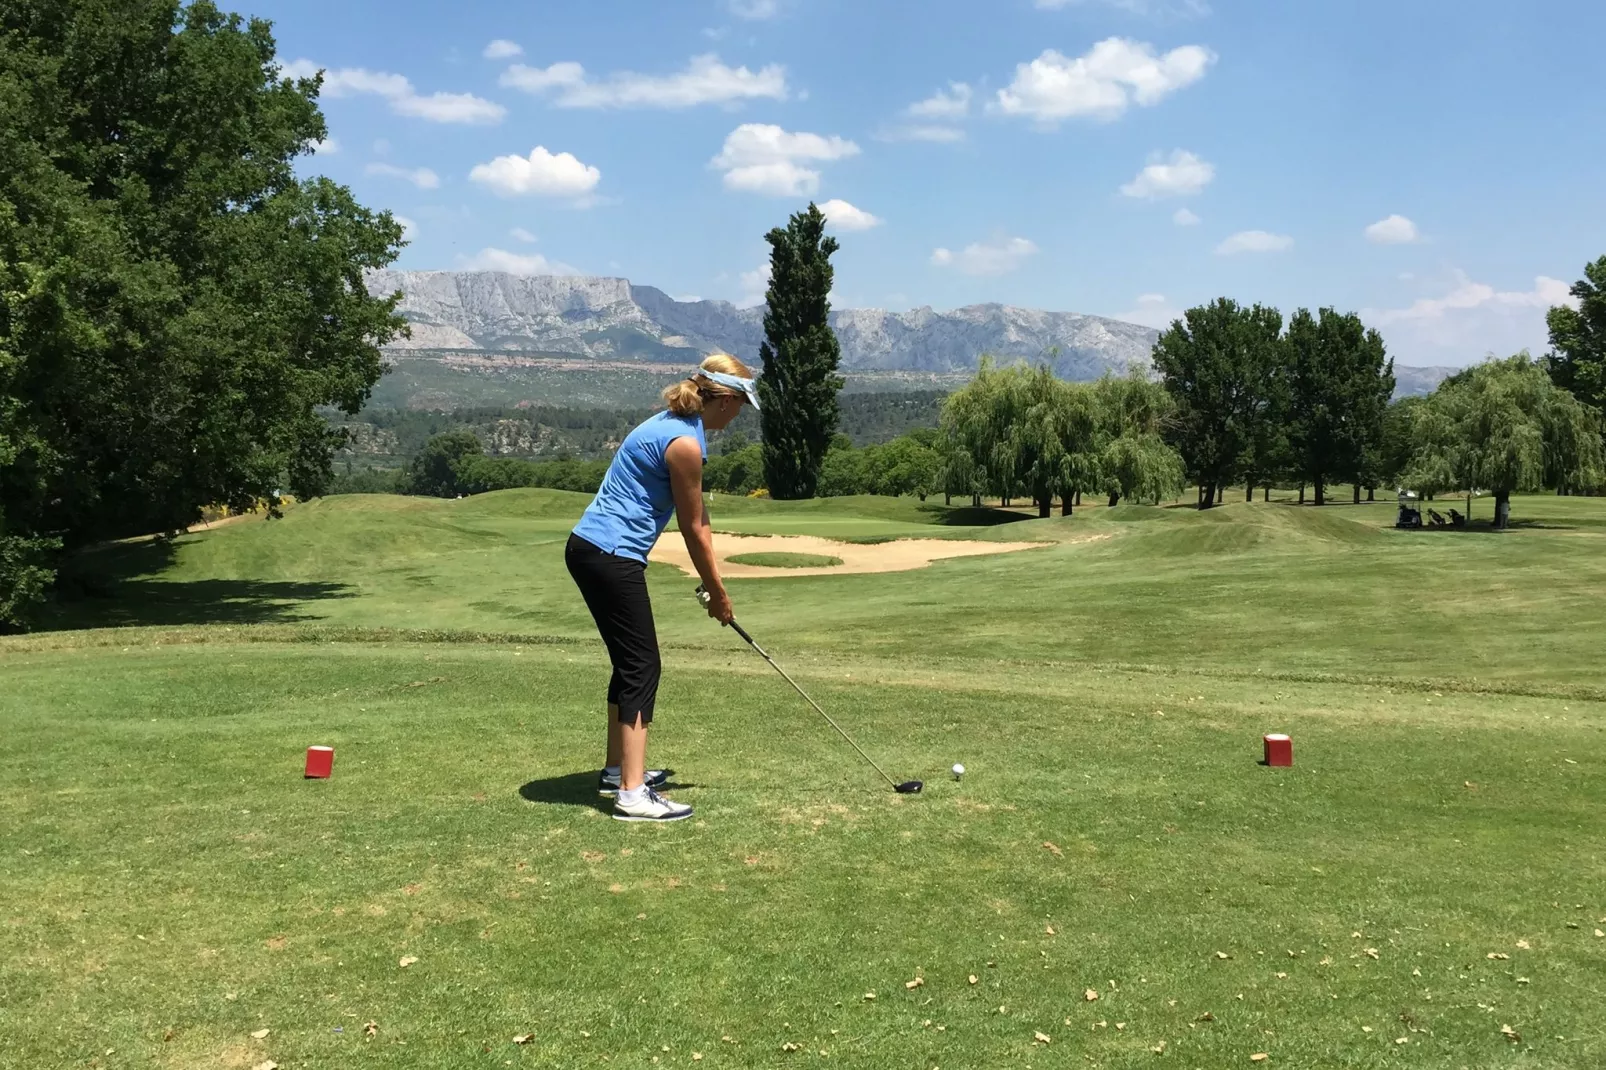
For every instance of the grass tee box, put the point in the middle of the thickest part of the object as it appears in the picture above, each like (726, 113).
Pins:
(1422, 890)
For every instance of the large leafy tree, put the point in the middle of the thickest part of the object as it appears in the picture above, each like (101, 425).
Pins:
(1578, 336)
(1339, 381)
(1220, 365)
(799, 384)
(1503, 426)
(174, 302)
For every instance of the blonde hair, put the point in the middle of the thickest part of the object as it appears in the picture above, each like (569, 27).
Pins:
(685, 398)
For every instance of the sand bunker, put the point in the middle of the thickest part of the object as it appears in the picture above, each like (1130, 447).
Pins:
(897, 556)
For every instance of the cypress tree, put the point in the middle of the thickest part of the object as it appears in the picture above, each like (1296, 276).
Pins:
(799, 384)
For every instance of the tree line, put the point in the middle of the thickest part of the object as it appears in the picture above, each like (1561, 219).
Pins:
(176, 304)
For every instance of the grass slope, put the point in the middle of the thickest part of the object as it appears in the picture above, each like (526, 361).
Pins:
(173, 885)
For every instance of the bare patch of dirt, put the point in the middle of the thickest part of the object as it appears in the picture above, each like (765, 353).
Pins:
(899, 555)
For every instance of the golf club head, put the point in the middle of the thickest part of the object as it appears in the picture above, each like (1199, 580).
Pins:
(909, 787)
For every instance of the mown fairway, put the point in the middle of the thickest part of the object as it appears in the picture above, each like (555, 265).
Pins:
(1431, 870)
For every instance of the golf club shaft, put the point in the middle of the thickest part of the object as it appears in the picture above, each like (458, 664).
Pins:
(765, 655)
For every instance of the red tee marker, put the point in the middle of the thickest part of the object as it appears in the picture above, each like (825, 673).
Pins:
(1279, 750)
(320, 762)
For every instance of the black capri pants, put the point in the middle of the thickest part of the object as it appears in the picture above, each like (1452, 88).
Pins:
(615, 590)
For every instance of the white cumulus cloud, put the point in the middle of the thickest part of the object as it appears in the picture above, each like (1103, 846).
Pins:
(1255, 241)
(403, 98)
(540, 79)
(541, 173)
(763, 158)
(1114, 74)
(409, 228)
(422, 177)
(923, 132)
(502, 49)
(754, 284)
(493, 259)
(844, 216)
(950, 103)
(1181, 175)
(1395, 230)
(520, 234)
(996, 257)
(754, 9)
(1469, 320)
(704, 81)
(1184, 218)
(1151, 310)
(327, 147)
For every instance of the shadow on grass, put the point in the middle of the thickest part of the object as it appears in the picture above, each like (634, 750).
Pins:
(116, 585)
(577, 789)
(971, 516)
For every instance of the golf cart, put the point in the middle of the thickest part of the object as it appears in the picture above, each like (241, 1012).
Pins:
(1410, 514)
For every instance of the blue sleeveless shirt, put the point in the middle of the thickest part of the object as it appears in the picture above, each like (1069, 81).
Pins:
(635, 502)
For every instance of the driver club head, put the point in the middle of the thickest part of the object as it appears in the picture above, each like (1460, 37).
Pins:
(909, 787)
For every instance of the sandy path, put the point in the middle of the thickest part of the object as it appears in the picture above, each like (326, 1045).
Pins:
(897, 556)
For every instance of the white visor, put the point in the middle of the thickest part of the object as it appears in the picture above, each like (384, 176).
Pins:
(735, 382)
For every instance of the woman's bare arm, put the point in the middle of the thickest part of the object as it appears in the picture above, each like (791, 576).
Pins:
(686, 482)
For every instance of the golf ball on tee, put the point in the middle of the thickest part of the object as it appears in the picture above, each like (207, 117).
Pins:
(959, 770)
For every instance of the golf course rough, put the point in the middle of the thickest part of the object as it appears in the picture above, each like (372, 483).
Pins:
(177, 895)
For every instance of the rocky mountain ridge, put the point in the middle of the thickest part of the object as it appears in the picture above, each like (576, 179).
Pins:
(613, 319)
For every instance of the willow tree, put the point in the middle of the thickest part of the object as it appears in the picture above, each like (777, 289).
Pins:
(1134, 460)
(1505, 427)
(977, 421)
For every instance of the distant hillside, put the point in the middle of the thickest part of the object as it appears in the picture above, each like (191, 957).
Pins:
(1411, 382)
(613, 320)
(486, 338)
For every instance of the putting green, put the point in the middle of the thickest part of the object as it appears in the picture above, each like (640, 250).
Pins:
(785, 560)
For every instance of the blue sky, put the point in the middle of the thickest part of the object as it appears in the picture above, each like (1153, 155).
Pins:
(1117, 157)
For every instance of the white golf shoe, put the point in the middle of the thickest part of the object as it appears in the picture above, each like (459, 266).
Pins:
(650, 807)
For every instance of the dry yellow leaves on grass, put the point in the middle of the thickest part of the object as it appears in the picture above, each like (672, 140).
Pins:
(869, 996)
(1497, 955)
(1041, 1038)
(1599, 933)
(916, 983)
(1205, 1017)
(789, 1046)
(1523, 945)
(1222, 955)
(1259, 1057)
(1510, 1034)
(1159, 1049)
(1053, 849)
(259, 1034)
(523, 1038)
(407, 960)
(974, 978)
(1049, 929)
(370, 1028)
(696, 1056)
(266, 1064)
(1090, 995)
(1370, 952)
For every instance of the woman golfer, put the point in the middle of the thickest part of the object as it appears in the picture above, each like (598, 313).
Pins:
(657, 471)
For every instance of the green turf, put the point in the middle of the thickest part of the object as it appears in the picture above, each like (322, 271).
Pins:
(785, 560)
(171, 884)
